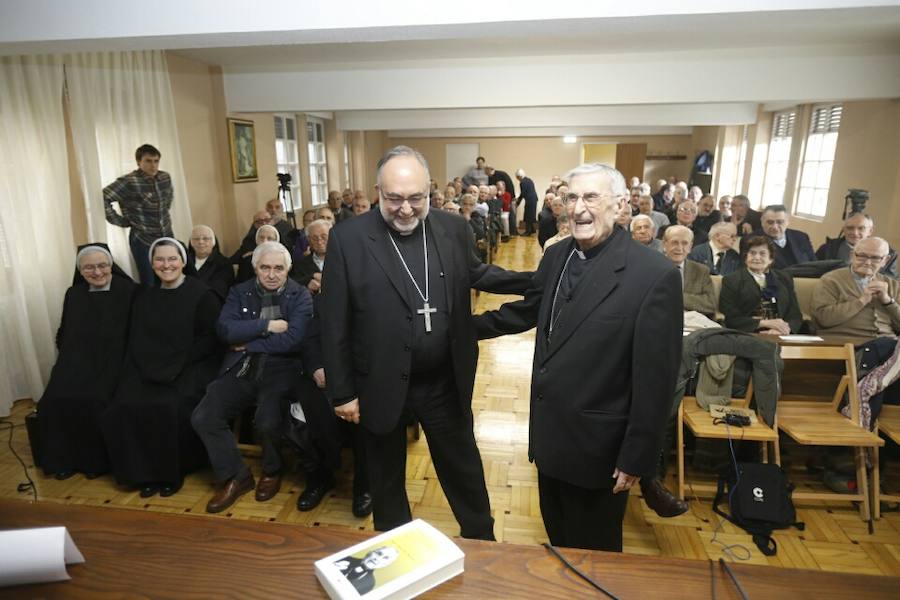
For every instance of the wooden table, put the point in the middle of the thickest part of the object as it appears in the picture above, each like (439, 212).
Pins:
(134, 553)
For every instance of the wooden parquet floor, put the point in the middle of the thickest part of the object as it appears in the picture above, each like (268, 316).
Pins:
(835, 539)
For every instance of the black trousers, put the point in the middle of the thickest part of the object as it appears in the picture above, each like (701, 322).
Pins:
(456, 459)
(576, 517)
(226, 398)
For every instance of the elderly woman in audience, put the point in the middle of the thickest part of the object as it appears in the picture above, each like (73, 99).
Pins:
(450, 194)
(437, 199)
(173, 353)
(91, 342)
(643, 231)
(562, 230)
(266, 233)
(207, 264)
(760, 298)
(476, 222)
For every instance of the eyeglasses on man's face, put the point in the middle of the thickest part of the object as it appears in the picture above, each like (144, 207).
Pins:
(589, 198)
(867, 258)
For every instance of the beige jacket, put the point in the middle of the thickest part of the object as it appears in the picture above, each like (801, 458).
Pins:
(838, 310)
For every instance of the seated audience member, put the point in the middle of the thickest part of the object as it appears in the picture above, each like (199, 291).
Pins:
(696, 284)
(718, 253)
(279, 221)
(508, 207)
(707, 215)
(335, 203)
(792, 247)
(437, 199)
(547, 226)
(634, 182)
(633, 199)
(680, 193)
(347, 198)
(725, 207)
(562, 230)
(263, 322)
(207, 264)
(857, 227)
(327, 214)
(476, 222)
(483, 194)
(308, 272)
(308, 217)
(685, 215)
(695, 194)
(450, 194)
(858, 302)
(266, 233)
(172, 355)
(458, 184)
(623, 217)
(91, 341)
(451, 207)
(260, 218)
(664, 199)
(760, 298)
(361, 205)
(660, 220)
(300, 246)
(643, 231)
(744, 218)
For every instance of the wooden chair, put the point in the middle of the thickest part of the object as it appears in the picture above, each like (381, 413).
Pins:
(699, 421)
(717, 290)
(889, 425)
(817, 423)
(803, 288)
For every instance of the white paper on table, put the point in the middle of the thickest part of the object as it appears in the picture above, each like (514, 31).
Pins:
(801, 338)
(36, 555)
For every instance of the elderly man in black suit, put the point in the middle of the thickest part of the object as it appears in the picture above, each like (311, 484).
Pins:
(718, 253)
(308, 270)
(609, 318)
(744, 218)
(857, 227)
(792, 247)
(399, 341)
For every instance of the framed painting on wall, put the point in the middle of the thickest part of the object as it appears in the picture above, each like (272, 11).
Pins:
(242, 141)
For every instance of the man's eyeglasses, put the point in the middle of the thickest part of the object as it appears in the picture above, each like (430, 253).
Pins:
(589, 198)
(414, 200)
(866, 258)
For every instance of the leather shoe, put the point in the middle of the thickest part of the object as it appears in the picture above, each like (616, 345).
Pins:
(169, 489)
(267, 487)
(362, 505)
(663, 502)
(149, 490)
(63, 475)
(229, 493)
(313, 495)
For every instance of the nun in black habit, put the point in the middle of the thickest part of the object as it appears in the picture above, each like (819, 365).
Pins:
(91, 342)
(206, 263)
(172, 354)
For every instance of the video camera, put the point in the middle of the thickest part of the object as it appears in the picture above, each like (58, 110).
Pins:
(284, 181)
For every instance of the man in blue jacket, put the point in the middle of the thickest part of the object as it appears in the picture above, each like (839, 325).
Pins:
(263, 322)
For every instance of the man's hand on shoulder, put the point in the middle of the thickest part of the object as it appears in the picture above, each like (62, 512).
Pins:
(277, 326)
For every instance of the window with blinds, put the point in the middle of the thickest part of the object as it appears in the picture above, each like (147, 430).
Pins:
(779, 157)
(318, 163)
(287, 159)
(818, 159)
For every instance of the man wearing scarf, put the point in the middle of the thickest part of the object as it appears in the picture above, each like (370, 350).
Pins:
(263, 322)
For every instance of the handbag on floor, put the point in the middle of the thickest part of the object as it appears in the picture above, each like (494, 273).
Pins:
(759, 501)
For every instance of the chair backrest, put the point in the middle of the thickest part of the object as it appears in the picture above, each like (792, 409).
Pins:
(842, 353)
(717, 286)
(804, 287)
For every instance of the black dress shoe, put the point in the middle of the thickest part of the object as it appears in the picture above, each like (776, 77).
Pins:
(63, 475)
(169, 489)
(313, 495)
(362, 505)
(92, 475)
(660, 500)
(149, 490)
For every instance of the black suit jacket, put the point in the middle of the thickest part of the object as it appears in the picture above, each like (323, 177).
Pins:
(602, 386)
(367, 321)
(797, 250)
(216, 272)
(739, 298)
(754, 218)
(546, 228)
(505, 178)
(703, 254)
(304, 269)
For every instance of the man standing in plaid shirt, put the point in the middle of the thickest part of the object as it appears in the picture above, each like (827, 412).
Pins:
(144, 197)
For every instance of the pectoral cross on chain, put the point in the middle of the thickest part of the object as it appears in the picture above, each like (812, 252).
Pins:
(426, 311)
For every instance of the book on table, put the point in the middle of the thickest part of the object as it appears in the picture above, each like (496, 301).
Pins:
(401, 563)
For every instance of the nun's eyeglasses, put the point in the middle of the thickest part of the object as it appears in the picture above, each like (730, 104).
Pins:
(92, 268)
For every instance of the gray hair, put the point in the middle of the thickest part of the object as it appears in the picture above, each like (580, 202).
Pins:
(616, 179)
(319, 223)
(261, 227)
(720, 227)
(270, 248)
(641, 217)
(645, 189)
(520, 172)
(402, 151)
(673, 229)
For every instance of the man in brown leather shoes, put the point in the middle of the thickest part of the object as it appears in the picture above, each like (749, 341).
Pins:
(263, 322)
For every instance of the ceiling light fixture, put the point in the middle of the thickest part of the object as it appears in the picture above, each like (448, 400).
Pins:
(569, 139)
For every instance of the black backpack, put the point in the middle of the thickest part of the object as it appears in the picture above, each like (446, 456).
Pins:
(759, 500)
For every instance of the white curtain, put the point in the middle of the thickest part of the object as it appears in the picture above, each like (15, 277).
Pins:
(36, 246)
(118, 101)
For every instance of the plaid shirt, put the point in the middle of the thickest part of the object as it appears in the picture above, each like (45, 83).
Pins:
(144, 202)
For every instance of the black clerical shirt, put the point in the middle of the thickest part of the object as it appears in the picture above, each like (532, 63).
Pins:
(430, 350)
(577, 266)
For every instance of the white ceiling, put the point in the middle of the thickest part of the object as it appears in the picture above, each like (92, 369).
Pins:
(516, 67)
